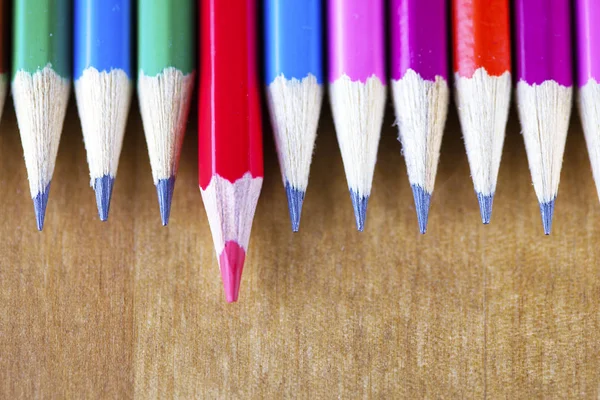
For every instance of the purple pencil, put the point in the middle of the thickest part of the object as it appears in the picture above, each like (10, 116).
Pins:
(357, 90)
(588, 73)
(544, 92)
(419, 80)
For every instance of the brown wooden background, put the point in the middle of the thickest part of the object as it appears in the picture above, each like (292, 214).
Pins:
(129, 309)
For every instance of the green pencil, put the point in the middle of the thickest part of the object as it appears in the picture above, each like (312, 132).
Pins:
(166, 62)
(40, 87)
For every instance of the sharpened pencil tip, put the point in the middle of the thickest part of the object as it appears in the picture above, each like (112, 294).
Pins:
(485, 206)
(103, 187)
(231, 263)
(295, 199)
(360, 209)
(422, 201)
(164, 189)
(547, 212)
(40, 201)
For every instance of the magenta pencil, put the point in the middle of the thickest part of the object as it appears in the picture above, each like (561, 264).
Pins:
(544, 92)
(588, 73)
(357, 90)
(419, 80)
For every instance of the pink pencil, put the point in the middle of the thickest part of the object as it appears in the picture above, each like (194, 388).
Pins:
(587, 28)
(357, 90)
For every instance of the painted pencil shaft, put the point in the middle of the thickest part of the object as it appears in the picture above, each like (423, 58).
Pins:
(166, 62)
(3, 56)
(102, 73)
(294, 80)
(588, 73)
(483, 82)
(40, 87)
(419, 80)
(229, 131)
(544, 92)
(357, 91)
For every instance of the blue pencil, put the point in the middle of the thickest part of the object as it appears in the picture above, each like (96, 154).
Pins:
(294, 79)
(103, 86)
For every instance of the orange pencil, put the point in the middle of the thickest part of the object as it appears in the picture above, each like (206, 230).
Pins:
(483, 82)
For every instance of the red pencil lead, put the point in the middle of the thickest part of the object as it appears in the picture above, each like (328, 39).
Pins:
(231, 263)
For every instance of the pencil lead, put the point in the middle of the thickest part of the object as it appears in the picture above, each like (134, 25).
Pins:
(103, 187)
(164, 189)
(231, 263)
(485, 206)
(295, 199)
(40, 201)
(360, 209)
(422, 200)
(547, 211)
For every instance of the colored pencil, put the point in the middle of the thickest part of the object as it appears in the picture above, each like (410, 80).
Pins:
(294, 79)
(166, 62)
(357, 91)
(544, 92)
(40, 87)
(102, 73)
(229, 131)
(588, 74)
(419, 80)
(3, 55)
(483, 82)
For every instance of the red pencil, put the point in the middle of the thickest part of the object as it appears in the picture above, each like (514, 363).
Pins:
(230, 156)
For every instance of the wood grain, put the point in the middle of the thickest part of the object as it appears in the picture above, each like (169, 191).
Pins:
(129, 309)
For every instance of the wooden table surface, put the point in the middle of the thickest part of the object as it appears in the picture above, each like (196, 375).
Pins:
(128, 308)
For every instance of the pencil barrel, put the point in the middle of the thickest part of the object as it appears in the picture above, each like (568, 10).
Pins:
(166, 36)
(42, 36)
(102, 37)
(293, 39)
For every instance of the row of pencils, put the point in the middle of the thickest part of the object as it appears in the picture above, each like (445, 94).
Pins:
(293, 36)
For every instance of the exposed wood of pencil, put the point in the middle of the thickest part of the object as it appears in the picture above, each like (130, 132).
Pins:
(357, 109)
(589, 109)
(103, 100)
(483, 102)
(40, 103)
(544, 111)
(295, 106)
(421, 107)
(164, 105)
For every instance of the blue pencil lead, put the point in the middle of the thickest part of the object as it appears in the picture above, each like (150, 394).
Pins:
(547, 211)
(360, 209)
(422, 200)
(40, 201)
(103, 188)
(164, 190)
(485, 206)
(295, 199)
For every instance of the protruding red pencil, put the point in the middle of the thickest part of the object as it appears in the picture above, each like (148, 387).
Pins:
(230, 155)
